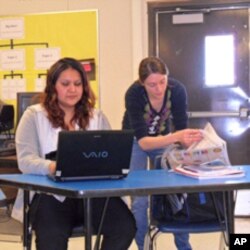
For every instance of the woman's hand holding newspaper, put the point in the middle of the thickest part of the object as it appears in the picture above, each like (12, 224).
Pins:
(188, 137)
(205, 146)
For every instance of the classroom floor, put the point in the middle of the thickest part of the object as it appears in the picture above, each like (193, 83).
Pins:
(165, 241)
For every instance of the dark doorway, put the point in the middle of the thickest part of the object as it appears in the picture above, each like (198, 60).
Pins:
(181, 46)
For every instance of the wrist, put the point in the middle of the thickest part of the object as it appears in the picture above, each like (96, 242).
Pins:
(174, 138)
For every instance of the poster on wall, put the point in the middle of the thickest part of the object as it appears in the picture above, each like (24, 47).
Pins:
(30, 44)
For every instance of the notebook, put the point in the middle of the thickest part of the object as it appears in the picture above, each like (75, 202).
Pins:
(92, 154)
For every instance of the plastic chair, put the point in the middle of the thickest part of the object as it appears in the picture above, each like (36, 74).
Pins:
(158, 227)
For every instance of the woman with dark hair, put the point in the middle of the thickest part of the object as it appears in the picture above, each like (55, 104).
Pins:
(66, 104)
(154, 104)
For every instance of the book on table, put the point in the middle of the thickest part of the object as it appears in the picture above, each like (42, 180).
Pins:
(205, 159)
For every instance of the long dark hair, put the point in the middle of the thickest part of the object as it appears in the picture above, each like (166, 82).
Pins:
(83, 109)
(150, 65)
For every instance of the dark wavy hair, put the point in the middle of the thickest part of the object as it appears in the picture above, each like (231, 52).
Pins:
(83, 109)
(150, 65)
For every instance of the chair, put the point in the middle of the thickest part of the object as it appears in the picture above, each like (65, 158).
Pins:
(157, 227)
(79, 230)
(7, 144)
(6, 118)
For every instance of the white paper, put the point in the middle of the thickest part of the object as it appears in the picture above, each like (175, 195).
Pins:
(12, 59)
(40, 84)
(10, 88)
(45, 57)
(11, 28)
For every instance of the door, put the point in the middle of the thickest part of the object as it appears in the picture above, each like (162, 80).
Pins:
(182, 47)
(177, 34)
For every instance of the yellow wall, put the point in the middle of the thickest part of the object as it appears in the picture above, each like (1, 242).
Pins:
(74, 34)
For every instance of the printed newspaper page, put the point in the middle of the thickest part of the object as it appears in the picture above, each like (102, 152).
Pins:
(207, 158)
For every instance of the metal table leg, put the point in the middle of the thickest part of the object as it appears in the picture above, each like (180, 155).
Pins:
(228, 198)
(27, 231)
(88, 223)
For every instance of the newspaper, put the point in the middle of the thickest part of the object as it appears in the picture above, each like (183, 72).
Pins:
(207, 158)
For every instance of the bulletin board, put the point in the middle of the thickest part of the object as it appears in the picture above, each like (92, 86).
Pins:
(30, 44)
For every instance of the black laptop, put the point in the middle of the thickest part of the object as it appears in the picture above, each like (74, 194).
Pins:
(85, 155)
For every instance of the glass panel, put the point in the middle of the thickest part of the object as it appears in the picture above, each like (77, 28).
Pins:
(219, 60)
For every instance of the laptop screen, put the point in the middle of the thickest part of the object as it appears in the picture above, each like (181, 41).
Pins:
(93, 154)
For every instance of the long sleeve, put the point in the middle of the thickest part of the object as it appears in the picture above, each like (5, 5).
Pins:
(28, 144)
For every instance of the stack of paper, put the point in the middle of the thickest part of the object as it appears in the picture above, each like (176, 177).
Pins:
(208, 172)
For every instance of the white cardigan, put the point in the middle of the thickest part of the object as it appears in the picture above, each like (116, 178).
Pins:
(35, 137)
